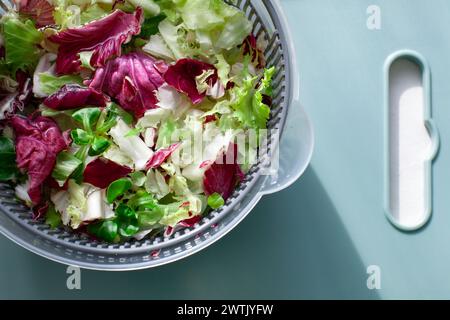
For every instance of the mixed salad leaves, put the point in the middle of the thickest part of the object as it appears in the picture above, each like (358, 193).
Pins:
(103, 103)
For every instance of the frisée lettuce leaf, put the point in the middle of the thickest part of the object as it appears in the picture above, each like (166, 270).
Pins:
(21, 43)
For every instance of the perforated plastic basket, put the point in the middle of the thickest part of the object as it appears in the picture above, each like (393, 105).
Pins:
(295, 149)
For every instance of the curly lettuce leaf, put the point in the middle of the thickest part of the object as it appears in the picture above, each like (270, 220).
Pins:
(149, 6)
(158, 48)
(66, 14)
(74, 13)
(172, 217)
(171, 35)
(223, 69)
(21, 43)
(203, 27)
(249, 104)
(93, 12)
(171, 8)
(185, 213)
(201, 14)
(81, 203)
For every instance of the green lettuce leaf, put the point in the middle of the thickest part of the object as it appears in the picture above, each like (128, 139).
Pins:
(171, 35)
(66, 164)
(85, 59)
(66, 14)
(248, 101)
(215, 201)
(165, 134)
(223, 69)
(150, 26)
(21, 43)
(173, 214)
(134, 147)
(206, 14)
(171, 9)
(202, 28)
(81, 203)
(8, 169)
(225, 25)
(53, 218)
(77, 204)
(93, 12)
(156, 184)
(50, 83)
(149, 6)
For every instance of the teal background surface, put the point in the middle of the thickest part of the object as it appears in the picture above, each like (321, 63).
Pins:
(315, 239)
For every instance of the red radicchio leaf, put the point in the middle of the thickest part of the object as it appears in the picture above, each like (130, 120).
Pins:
(67, 137)
(160, 156)
(155, 253)
(210, 118)
(190, 222)
(24, 91)
(73, 96)
(13, 100)
(101, 172)
(250, 47)
(169, 231)
(224, 174)
(52, 183)
(40, 210)
(40, 11)
(38, 141)
(132, 79)
(205, 164)
(182, 76)
(187, 223)
(104, 37)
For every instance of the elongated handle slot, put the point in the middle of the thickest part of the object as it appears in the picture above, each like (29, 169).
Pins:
(411, 141)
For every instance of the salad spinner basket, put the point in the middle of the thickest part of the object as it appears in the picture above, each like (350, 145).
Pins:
(290, 138)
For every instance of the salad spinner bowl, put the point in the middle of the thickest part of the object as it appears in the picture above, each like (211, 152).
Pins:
(289, 147)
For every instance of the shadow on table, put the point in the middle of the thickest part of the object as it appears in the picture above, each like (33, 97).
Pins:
(292, 246)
